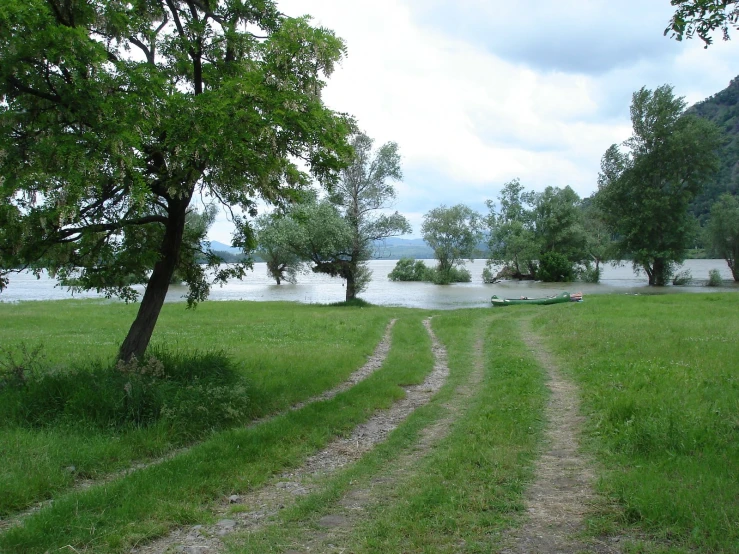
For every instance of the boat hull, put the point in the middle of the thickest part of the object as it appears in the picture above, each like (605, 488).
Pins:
(558, 299)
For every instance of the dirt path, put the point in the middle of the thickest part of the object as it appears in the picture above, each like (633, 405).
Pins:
(373, 363)
(260, 504)
(334, 528)
(562, 492)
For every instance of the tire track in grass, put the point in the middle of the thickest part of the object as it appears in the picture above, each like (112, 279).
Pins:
(562, 492)
(271, 498)
(373, 363)
(334, 529)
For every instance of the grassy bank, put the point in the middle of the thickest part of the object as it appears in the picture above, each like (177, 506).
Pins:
(317, 347)
(657, 375)
(659, 380)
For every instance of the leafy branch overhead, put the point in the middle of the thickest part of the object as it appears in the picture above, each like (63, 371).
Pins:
(702, 18)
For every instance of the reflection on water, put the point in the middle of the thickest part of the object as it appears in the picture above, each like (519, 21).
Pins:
(318, 288)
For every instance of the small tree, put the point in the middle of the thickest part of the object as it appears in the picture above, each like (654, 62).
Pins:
(282, 263)
(599, 242)
(453, 233)
(338, 234)
(723, 231)
(645, 192)
(559, 233)
(512, 240)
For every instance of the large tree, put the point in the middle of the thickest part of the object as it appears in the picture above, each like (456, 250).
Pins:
(644, 192)
(702, 18)
(723, 231)
(115, 115)
(453, 233)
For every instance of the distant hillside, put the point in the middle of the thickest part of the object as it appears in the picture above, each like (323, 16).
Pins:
(723, 109)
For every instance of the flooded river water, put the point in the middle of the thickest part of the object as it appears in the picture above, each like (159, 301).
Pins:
(318, 288)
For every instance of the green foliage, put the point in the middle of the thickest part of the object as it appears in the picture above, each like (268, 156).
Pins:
(122, 112)
(454, 274)
(555, 268)
(512, 241)
(453, 233)
(338, 235)
(589, 273)
(685, 277)
(283, 264)
(191, 394)
(702, 17)
(408, 269)
(723, 110)
(644, 193)
(723, 231)
(714, 278)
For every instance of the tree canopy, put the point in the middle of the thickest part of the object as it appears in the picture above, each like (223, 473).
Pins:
(644, 192)
(115, 116)
(453, 233)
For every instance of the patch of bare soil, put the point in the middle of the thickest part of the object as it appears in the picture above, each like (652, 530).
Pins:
(562, 492)
(256, 507)
(373, 363)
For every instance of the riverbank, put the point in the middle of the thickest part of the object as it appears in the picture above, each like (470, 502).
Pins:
(458, 470)
(315, 288)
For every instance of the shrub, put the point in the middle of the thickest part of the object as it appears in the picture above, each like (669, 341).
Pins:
(488, 276)
(683, 278)
(408, 269)
(17, 365)
(191, 393)
(452, 275)
(714, 278)
(555, 268)
(589, 274)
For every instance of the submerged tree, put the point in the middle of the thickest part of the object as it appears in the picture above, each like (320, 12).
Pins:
(723, 231)
(453, 233)
(115, 115)
(338, 235)
(283, 264)
(644, 193)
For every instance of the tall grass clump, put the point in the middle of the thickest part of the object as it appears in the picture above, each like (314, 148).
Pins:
(714, 278)
(190, 393)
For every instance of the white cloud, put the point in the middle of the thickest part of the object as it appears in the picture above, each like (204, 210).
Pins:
(479, 92)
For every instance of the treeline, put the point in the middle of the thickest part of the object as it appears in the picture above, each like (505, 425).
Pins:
(640, 213)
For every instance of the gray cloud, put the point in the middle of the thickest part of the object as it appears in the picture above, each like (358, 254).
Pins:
(591, 37)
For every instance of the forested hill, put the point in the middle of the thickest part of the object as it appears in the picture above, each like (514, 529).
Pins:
(723, 109)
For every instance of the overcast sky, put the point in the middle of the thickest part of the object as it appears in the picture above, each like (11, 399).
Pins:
(478, 92)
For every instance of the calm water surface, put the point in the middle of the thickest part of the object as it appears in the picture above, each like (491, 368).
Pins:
(317, 288)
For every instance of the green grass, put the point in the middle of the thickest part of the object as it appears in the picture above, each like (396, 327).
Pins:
(113, 517)
(286, 352)
(465, 490)
(657, 374)
(660, 385)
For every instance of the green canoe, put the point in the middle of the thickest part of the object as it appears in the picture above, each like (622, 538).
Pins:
(561, 297)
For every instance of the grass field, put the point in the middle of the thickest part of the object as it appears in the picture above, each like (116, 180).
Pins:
(657, 375)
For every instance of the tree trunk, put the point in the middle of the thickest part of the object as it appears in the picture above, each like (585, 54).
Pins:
(351, 291)
(139, 334)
